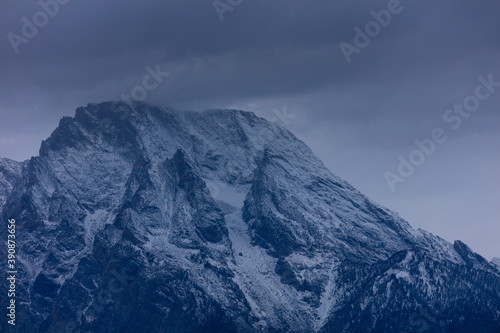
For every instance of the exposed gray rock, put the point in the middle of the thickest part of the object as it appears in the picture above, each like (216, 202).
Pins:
(137, 218)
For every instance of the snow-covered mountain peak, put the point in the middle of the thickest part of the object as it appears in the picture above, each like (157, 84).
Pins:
(224, 222)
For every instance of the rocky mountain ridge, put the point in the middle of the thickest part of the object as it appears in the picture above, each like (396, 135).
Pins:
(138, 218)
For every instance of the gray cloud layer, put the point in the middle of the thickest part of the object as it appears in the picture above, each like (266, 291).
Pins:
(266, 55)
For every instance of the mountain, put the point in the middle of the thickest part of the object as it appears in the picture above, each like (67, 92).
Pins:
(496, 262)
(10, 173)
(138, 218)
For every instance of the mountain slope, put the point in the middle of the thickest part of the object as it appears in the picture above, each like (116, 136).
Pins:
(136, 218)
(496, 261)
(10, 173)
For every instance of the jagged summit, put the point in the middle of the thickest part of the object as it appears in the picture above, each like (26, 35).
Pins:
(221, 221)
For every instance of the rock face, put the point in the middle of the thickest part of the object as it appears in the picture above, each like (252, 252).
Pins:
(10, 173)
(496, 262)
(136, 218)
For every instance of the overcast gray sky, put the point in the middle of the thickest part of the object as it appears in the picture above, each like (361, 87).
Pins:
(283, 60)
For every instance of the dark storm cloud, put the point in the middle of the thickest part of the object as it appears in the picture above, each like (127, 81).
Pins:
(261, 48)
(291, 36)
(357, 116)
